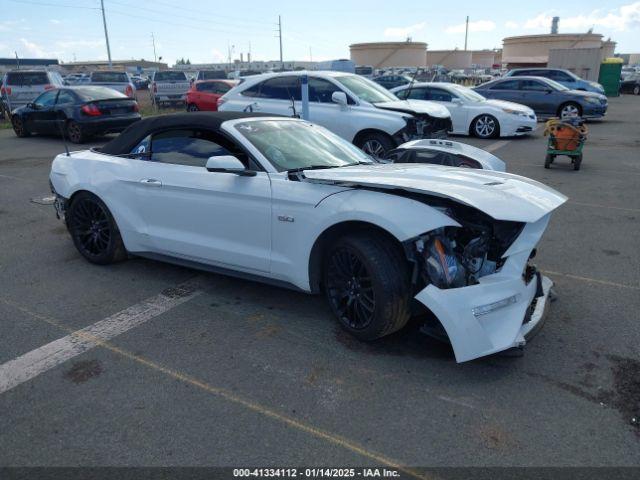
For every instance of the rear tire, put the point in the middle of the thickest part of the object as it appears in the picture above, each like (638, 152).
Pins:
(548, 161)
(375, 144)
(192, 107)
(18, 127)
(94, 231)
(75, 133)
(366, 281)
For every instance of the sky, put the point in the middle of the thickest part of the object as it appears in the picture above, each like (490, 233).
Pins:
(206, 31)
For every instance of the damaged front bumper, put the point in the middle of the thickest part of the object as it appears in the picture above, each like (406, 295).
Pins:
(496, 314)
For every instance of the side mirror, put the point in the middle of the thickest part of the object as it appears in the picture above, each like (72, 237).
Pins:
(32, 106)
(340, 98)
(228, 164)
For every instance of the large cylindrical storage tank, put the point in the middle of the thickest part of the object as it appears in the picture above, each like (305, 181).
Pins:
(450, 59)
(389, 54)
(533, 50)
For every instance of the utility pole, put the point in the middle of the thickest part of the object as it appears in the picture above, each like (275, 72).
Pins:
(310, 55)
(466, 32)
(153, 41)
(280, 35)
(106, 34)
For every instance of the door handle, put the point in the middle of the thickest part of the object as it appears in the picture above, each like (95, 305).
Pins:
(152, 182)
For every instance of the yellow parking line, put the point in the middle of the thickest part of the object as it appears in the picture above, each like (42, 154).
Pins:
(231, 397)
(592, 280)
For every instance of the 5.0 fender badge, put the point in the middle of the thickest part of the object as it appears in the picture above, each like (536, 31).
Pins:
(285, 218)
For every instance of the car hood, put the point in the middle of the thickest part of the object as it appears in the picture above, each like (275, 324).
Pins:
(416, 106)
(585, 94)
(503, 196)
(510, 105)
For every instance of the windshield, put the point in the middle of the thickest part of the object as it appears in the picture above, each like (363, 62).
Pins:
(468, 94)
(365, 89)
(291, 145)
(109, 77)
(90, 94)
(555, 85)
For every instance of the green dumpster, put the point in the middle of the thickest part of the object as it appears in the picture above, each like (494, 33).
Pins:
(609, 77)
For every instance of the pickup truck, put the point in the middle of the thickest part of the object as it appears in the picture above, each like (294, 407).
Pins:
(170, 87)
(118, 81)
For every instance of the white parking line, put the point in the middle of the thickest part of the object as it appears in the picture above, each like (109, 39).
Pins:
(496, 145)
(35, 362)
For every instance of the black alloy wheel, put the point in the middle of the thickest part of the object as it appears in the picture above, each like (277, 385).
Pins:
(18, 126)
(74, 132)
(94, 231)
(350, 289)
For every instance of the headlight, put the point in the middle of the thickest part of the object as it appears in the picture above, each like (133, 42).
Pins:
(595, 101)
(514, 112)
(443, 268)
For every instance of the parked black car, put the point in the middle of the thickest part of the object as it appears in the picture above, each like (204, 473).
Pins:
(631, 84)
(79, 112)
(392, 81)
(546, 97)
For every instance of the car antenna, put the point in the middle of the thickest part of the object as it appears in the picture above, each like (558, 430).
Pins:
(293, 107)
(64, 139)
(415, 74)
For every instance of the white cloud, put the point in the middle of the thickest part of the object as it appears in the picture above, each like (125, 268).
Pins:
(67, 44)
(55, 21)
(404, 32)
(33, 49)
(218, 56)
(477, 26)
(626, 17)
(511, 25)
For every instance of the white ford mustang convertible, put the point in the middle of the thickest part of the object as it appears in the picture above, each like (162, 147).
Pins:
(288, 202)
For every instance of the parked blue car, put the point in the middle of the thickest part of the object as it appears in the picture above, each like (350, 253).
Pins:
(560, 75)
(545, 97)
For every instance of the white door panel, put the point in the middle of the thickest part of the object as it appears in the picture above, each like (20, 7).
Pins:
(213, 217)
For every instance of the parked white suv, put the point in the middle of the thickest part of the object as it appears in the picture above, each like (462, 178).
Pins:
(20, 87)
(349, 105)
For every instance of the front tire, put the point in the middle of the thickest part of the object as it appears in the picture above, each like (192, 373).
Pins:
(486, 126)
(569, 109)
(375, 144)
(366, 281)
(94, 231)
(74, 132)
(18, 127)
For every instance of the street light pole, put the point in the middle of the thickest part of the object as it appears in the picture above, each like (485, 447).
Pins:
(280, 35)
(466, 32)
(106, 34)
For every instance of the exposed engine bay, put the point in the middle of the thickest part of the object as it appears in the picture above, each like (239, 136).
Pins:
(451, 257)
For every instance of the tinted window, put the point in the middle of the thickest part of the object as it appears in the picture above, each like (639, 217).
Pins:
(221, 88)
(98, 93)
(281, 88)
(533, 85)
(109, 77)
(27, 78)
(320, 90)
(252, 91)
(559, 76)
(65, 96)
(187, 147)
(522, 73)
(439, 95)
(415, 94)
(47, 99)
(506, 85)
(204, 87)
(211, 75)
(169, 76)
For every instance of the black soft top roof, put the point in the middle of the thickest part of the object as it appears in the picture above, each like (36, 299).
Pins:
(135, 133)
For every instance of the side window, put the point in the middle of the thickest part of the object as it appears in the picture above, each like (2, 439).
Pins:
(506, 85)
(417, 94)
(47, 99)
(560, 76)
(521, 73)
(252, 91)
(186, 147)
(402, 94)
(320, 90)
(204, 87)
(142, 147)
(281, 88)
(65, 96)
(439, 95)
(533, 85)
(220, 88)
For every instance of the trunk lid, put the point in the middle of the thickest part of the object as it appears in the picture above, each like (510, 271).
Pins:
(503, 196)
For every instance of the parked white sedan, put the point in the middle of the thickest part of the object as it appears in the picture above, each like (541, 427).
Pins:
(286, 201)
(471, 113)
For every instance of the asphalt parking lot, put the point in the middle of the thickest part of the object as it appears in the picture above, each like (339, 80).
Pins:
(224, 372)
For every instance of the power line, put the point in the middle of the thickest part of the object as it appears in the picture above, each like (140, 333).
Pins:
(61, 5)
